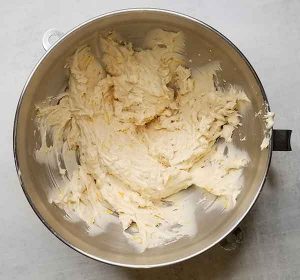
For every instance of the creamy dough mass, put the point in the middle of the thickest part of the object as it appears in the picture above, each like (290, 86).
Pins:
(133, 130)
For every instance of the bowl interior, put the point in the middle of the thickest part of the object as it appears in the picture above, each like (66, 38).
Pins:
(202, 45)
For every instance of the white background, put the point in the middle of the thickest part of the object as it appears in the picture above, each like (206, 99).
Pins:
(268, 33)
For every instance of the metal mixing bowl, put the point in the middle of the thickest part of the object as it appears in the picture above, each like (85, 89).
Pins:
(49, 77)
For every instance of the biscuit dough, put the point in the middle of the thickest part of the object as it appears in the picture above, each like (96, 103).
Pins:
(134, 129)
(269, 122)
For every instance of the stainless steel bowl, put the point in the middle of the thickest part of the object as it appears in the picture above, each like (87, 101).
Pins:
(48, 77)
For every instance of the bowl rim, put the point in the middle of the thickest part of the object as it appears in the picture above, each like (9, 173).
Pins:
(16, 119)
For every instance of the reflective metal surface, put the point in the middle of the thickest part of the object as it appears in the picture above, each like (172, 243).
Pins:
(203, 44)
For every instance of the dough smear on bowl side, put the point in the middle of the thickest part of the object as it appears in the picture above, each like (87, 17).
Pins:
(133, 130)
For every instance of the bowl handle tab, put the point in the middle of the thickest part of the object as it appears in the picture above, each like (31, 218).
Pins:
(50, 37)
(282, 139)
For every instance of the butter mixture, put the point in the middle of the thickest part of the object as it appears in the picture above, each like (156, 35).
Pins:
(133, 130)
(269, 121)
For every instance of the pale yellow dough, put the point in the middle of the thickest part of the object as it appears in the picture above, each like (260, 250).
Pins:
(269, 122)
(136, 127)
